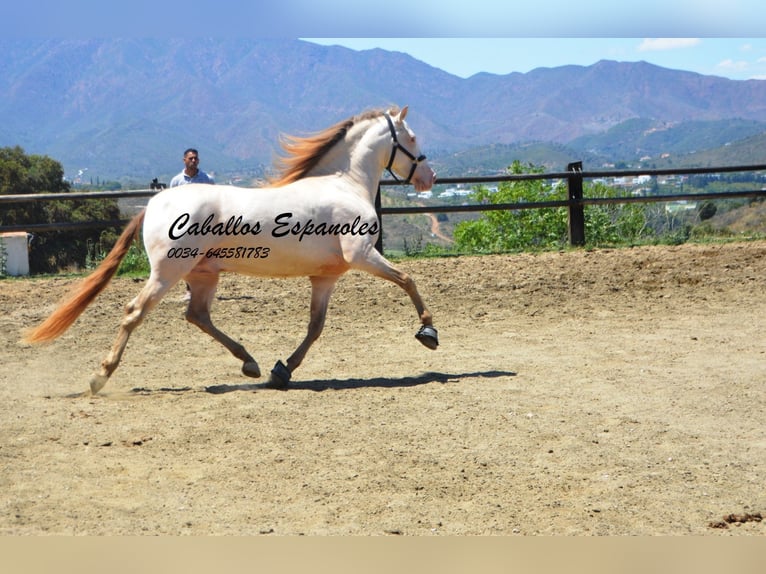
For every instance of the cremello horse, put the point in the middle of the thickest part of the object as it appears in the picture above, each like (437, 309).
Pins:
(317, 219)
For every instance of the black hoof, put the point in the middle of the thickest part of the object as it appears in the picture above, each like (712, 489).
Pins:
(280, 376)
(251, 369)
(428, 336)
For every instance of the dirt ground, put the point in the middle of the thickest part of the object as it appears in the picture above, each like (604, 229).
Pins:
(606, 392)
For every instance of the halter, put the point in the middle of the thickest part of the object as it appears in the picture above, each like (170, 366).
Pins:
(396, 147)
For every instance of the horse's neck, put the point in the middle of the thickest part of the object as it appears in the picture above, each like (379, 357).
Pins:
(359, 157)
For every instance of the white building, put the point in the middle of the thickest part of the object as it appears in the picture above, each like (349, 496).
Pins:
(15, 250)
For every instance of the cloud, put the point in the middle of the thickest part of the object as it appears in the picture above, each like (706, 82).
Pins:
(662, 44)
(733, 65)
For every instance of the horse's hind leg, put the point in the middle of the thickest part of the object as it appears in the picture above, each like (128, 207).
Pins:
(202, 285)
(321, 290)
(135, 311)
(377, 265)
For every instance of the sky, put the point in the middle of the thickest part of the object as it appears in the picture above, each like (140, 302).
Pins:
(734, 58)
(463, 37)
(392, 18)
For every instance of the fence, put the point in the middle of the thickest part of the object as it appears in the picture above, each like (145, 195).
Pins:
(575, 202)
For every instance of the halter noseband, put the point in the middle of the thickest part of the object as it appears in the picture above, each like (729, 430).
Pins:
(399, 147)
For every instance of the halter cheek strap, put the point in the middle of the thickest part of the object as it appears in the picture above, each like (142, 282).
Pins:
(399, 147)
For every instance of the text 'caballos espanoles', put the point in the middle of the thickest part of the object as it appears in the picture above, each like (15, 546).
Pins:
(284, 226)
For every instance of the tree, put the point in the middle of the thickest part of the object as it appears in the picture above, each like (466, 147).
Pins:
(22, 174)
(519, 229)
(545, 228)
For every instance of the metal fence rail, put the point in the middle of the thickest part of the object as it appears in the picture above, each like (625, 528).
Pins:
(574, 203)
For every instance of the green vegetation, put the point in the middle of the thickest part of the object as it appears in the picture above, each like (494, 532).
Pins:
(3, 259)
(22, 174)
(609, 225)
(136, 263)
(497, 231)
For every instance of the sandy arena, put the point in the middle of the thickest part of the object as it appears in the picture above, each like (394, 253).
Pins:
(606, 392)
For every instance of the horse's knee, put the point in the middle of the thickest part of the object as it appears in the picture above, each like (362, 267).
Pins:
(136, 310)
(132, 320)
(197, 318)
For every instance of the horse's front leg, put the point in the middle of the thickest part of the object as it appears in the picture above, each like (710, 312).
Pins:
(375, 264)
(321, 290)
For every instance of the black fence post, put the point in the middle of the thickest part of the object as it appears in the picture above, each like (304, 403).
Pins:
(576, 209)
(379, 243)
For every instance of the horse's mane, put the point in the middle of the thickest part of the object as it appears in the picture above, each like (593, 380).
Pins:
(302, 154)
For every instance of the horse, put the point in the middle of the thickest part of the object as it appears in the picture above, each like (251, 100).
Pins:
(315, 218)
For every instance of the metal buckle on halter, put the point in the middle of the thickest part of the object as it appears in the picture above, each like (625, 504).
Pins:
(397, 146)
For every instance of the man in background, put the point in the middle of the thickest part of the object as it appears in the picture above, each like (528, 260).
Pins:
(191, 173)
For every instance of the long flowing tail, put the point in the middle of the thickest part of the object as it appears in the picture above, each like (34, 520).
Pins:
(66, 314)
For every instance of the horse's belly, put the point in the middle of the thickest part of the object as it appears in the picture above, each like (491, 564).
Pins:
(265, 269)
(278, 260)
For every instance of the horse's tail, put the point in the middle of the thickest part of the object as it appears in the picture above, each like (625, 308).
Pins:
(66, 314)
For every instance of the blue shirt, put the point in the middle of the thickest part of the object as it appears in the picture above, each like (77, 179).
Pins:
(183, 179)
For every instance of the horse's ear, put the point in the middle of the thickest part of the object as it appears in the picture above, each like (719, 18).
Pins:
(403, 113)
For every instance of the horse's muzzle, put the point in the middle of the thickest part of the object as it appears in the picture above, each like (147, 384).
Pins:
(424, 177)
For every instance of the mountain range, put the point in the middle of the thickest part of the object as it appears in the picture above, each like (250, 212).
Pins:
(127, 108)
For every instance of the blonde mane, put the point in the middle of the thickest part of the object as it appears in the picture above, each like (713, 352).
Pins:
(302, 154)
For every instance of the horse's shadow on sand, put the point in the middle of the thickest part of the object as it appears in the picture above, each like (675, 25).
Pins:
(358, 383)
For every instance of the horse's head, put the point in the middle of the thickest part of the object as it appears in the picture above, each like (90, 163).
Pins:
(406, 161)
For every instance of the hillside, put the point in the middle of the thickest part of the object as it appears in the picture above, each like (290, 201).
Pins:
(127, 108)
(495, 158)
(641, 137)
(748, 151)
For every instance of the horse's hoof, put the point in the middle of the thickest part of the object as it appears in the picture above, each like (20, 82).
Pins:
(97, 383)
(251, 369)
(280, 376)
(428, 336)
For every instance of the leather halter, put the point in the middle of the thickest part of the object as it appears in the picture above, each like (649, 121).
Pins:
(399, 147)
